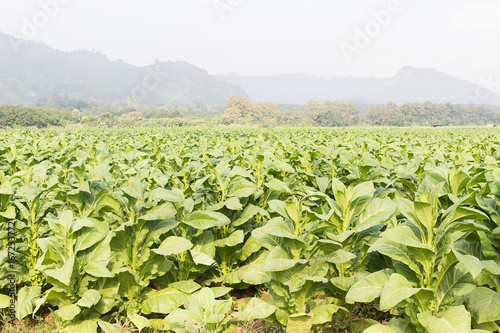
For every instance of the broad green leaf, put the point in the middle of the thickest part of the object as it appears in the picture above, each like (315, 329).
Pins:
(323, 314)
(277, 185)
(68, 312)
(340, 257)
(360, 325)
(425, 214)
(173, 245)
(206, 298)
(64, 273)
(200, 258)
(278, 260)
(369, 288)
(257, 309)
(161, 194)
(109, 328)
(484, 304)
(233, 204)
(86, 326)
(234, 239)
(280, 228)
(89, 298)
(249, 212)
(299, 323)
(293, 210)
(188, 287)
(396, 251)
(162, 212)
(455, 319)
(26, 301)
(470, 263)
(396, 290)
(405, 236)
(164, 301)
(256, 275)
(203, 220)
(4, 301)
(139, 321)
(378, 211)
(242, 189)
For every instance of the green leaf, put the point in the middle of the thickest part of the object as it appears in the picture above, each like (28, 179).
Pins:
(200, 258)
(242, 189)
(173, 245)
(26, 300)
(64, 273)
(395, 251)
(293, 210)
(161, 194)
(257, 309)
(90, 234)
(256, 275)
(360, 325)
(278, 186)
(206, 298)
(277, 260)
(4, 301)
(249, 212)
(203, 220)
(233, 204)
(280, 228)
(470, 263)
(188, 287)
(234, 239)
(396, 290)
(164, 301)
(68, 312)
(425, 214)
(378, 211)
(340, 257)
(86, 326)
(299, 323)
(378, 328)
(162, 212)
(89, 298)
(455, 319)
(62, 226)
(139, 321)
(109, 328)
(484, 304)
(406, 236)
(369, 288)
(323, 314)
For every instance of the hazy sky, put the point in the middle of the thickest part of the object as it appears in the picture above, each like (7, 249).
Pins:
(328, 38)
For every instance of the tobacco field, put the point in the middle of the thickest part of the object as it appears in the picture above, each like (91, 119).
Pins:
(307, 230)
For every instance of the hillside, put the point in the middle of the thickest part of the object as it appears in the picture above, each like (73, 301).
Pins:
(37, 72)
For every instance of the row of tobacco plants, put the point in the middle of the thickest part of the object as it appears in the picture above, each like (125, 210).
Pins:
(162, 230)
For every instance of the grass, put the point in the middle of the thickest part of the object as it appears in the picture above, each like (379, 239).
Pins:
(35, 326)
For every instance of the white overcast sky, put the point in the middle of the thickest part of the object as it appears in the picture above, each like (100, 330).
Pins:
(258, 37)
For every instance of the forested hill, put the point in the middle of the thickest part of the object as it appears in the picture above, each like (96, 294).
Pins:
(31, 72)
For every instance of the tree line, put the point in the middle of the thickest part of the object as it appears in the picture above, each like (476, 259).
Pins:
(239, 111)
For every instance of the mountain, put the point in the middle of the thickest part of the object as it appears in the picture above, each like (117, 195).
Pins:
(30, 72)
(408, 85)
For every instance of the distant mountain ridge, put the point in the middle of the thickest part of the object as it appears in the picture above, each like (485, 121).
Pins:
(36, 72)
(408, 85)
(32, 72)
